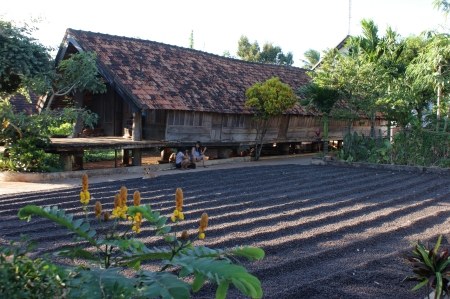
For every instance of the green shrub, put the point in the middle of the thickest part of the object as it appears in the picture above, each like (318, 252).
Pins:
(22, 277)
(63, 129)
(27, 155)
(100, 155)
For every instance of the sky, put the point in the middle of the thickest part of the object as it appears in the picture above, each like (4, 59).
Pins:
(294, 25)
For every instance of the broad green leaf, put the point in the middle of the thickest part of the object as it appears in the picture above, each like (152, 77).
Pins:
(161, 221)
(438, 290)
(198, 282)
(77, 223)
(184, 272)
(222, 290)
(438, 244)
(239, 285)
(137, 265)
(164, 230)
(92, 233)
(250, 253)
(60, 213)
(85, 227)
(418, 286)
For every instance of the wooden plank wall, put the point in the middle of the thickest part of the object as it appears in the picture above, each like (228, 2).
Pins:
(214, 127)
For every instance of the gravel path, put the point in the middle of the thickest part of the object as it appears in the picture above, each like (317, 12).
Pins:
(328, 232)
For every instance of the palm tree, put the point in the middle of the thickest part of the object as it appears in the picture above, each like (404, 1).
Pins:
(323, 98)
(312, 58)
(369, 45)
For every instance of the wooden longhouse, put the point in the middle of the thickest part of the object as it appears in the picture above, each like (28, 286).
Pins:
(161, 95)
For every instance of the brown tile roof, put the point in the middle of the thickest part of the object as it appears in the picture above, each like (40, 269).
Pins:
(161, 76)
(21, 104)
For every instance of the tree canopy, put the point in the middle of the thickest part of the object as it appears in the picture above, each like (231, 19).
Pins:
(270, 99)
(22, 58)
(269, 54)
(312, 57)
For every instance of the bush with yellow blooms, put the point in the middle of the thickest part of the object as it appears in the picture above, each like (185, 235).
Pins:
(116, 249)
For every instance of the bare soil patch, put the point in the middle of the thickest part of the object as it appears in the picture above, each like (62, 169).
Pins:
(328, 232)
(111, 164)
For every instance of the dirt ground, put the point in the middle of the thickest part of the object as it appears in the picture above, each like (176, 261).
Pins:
(147, 159)
(110, 164)
(328, 232)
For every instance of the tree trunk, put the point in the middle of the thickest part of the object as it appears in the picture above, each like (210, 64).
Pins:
(438, 111)
(325, 147)
(78, 128)
(325, 134)
(261, 129)
(372, 124)
(389, 125)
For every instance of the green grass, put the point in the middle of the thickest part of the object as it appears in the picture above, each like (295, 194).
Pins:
(100, 155)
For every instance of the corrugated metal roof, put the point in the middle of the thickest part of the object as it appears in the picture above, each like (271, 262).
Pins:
(162, 76)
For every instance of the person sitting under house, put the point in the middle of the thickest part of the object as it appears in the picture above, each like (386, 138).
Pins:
(182, 160)
(198, 154)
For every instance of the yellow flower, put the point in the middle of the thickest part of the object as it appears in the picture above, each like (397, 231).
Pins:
(84, 197)
(98, 209)
(174, 219)
(84, 182)
(203, 223)
(136, 198)
(181, 216)
(179, 199)
(138, 217)
(130, 218)
(201, 236)
(120, 212)
(137, 225)
(5, 124)
(176, 213)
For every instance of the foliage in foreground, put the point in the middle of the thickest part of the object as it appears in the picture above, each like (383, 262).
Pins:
(23, 277)
(430, 268)
(109, 246)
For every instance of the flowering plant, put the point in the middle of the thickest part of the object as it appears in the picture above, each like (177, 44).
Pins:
(114, 248)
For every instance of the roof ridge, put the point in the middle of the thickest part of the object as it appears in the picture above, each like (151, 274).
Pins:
(183, 48)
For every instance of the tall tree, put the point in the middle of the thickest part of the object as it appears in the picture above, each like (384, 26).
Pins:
(270, 99)
(443, 5)
(323, 98)
(312, 57)
(269, 54)
(227, 54)
(248, 51)
(77, 73)
(26, 65)
(431, 68)
(370, 51)
(22, 58)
